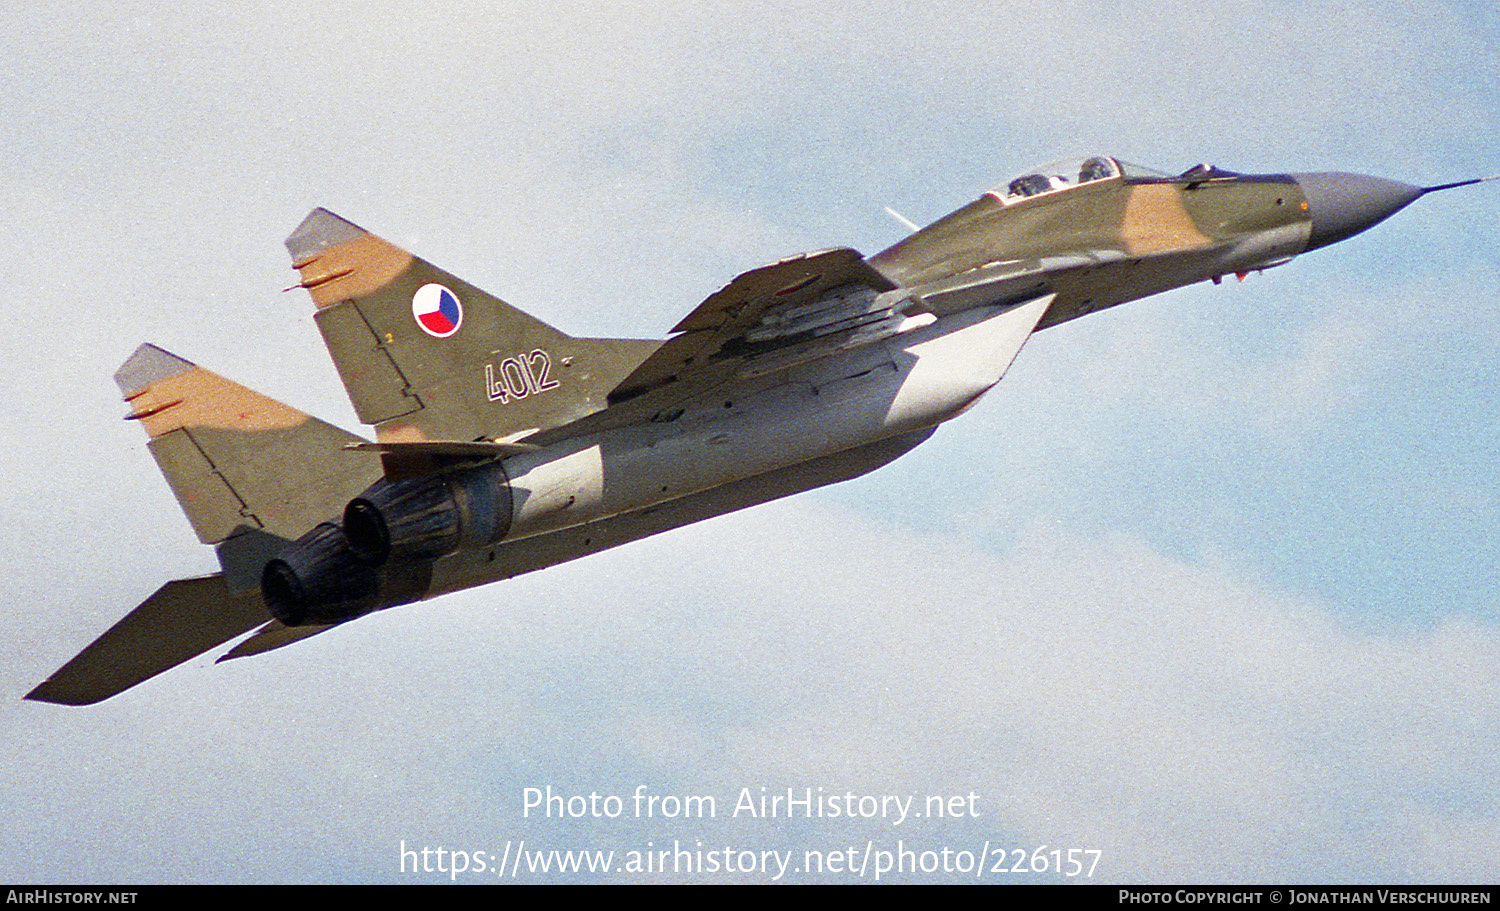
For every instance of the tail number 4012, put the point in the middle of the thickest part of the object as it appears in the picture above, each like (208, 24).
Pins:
(518, 377)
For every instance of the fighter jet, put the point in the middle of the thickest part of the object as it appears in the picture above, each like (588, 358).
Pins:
(503, 445)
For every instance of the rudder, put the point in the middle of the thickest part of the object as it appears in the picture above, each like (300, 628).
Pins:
(427, 356)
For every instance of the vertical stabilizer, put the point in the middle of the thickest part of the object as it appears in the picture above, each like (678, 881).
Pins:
(428, 356)
(237, 460)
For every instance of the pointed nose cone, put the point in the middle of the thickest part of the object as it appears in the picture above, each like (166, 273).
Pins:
(1342, 205)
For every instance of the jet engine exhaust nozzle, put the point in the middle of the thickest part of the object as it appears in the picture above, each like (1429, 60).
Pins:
(319, 578)
(429, 517)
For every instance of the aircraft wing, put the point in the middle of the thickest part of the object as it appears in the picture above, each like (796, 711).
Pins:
(795, 301)
(798, 309)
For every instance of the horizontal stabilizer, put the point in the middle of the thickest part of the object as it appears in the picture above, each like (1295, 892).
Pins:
(184, 619)
(275, 635)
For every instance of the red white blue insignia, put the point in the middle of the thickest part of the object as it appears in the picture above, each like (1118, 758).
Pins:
(437, 310)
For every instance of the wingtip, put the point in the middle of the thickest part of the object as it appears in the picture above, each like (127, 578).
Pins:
(149, 364)
(320, 230)
(42, 694)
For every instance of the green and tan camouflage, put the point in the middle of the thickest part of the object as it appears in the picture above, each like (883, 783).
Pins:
(504, 445)
(238, 460)
(1121, 234)
(413, 385)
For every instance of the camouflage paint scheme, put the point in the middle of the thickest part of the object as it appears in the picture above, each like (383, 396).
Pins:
(1103, 243)
(503, 445)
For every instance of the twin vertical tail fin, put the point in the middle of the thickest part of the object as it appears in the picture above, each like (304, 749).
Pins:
(438, 366)
(237, 460)
(428, 357)
(251, 475)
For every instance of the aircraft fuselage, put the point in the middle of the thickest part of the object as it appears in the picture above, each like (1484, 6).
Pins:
(504, 445)
(965, 293)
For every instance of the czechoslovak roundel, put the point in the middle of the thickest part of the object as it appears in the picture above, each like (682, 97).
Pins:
(437, 310)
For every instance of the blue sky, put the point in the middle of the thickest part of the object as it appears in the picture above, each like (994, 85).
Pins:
(1207, 584)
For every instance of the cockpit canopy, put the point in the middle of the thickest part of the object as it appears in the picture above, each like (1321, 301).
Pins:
(1067, 174)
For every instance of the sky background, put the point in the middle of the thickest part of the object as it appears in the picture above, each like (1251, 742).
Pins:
(1208, 584)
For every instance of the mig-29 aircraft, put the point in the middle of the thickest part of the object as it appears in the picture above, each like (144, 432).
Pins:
(503, 445)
